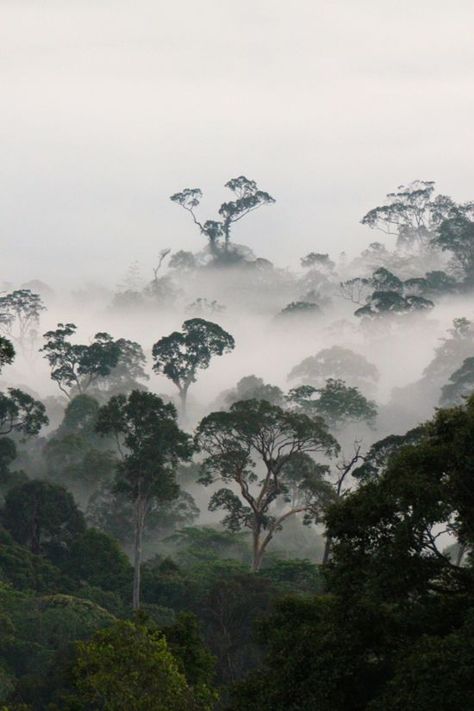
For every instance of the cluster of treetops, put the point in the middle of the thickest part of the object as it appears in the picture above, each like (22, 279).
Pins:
(386, 619)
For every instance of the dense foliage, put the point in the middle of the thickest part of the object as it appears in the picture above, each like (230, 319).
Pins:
(184, 531)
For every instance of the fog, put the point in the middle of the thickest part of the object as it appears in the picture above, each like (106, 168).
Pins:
(236, 354)
(110, 107)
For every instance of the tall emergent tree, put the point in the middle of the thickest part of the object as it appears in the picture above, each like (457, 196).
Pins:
(253, 447)
(79, 367)
(181, 354)
(152, 445)
(247, 199)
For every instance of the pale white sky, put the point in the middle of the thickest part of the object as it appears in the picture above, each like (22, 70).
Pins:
(110, 106)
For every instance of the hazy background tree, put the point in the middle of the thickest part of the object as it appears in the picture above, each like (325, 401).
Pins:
(19, 317)
(248, 198)
(181, 354)
(338, 363)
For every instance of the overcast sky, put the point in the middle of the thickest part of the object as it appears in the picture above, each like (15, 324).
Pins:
(109, 106)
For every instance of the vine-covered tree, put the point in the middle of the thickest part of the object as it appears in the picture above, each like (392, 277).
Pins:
(152, 445)
(247, 198)
(252, 448)
(181, 354)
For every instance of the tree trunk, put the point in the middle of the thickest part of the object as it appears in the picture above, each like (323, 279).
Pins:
(137, 553)
(226, 237)
(460, 553)
(183, 396)
(257, 551)
(35, 542)
(327, 550)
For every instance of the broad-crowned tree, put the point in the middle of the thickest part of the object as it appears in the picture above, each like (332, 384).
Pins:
(384, 280)
(104, 364)
(152, 445)
(337, 403)
(421, 500)
(129, 666)
(247, 198)
(251, 387)
(39, 514)
(435, 283)
(76, 367)
(411, 213)
(381, 303)
(315, 260)
(181, 354)
(251, 448)
(359, 290)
